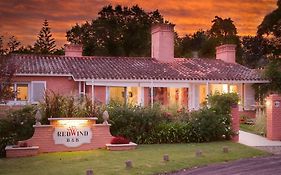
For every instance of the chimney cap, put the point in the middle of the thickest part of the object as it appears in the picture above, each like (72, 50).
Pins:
(162, 27)
(226, 47)
(73, 50)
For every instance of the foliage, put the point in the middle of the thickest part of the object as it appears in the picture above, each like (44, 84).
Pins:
(223, 30)
(271, 26)
(254, 51)
(13, 44)
(259, 126)
(210, 125)
(2, 49)
(204, 43)
(169, 132)
(133, 121)
(119, 140)
(117, 31)
(222, 103)
(271, 23)
(16, 126)
(272, 72)
(45, 44)
(59, 106)
(7, 70)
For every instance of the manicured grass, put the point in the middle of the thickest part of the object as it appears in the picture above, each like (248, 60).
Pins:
(147, 159)
(250, 128)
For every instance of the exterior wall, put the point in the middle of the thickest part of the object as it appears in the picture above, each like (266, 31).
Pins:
(273, 114)
(99, 93)
(62, 85)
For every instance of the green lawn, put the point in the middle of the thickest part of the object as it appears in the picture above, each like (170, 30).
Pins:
(147, 159)
(250, 128)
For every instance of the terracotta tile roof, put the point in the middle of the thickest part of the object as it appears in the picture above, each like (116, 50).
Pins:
(134, 68)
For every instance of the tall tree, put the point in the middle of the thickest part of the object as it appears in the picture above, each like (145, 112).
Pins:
(45, 44)
(223, 30)
(254, 51)
(271, 28)
(271, 24)
(7, 70)
(118, 31)
(13, 44)
(2, 49)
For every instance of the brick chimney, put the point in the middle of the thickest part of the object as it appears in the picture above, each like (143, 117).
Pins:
(162, 42)
(226, 53)
(73, 50)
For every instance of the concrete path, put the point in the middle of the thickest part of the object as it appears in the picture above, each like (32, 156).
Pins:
(250, 139)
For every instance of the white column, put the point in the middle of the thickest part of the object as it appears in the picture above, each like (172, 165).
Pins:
(79, 88)
(194, 96)
(207, 89)
(93, 93)
(84, 88)
(190, 102)
(140, 96)
(107, 95)
(151, 92)
(126, 95)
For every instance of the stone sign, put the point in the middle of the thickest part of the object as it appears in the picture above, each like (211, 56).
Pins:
(72, 136)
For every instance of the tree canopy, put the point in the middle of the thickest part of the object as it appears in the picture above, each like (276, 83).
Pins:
(117, 31)
(45, 44)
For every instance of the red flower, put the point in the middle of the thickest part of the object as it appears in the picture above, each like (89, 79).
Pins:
(119, 140)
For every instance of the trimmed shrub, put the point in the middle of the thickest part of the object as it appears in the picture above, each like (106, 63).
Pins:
(207, 125)
(16, 126)
(133, 121)
(119, 140)
(169, 132)
(222, 103)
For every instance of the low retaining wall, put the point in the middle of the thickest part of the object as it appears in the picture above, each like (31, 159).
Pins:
(51, 138)
(21, 151)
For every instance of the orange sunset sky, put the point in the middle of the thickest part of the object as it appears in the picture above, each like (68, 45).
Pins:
(23, 18)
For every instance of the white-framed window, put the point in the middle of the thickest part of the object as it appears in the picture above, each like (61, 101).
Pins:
(37, 91)
(27, 92)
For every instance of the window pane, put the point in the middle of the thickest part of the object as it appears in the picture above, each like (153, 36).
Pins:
(22, 92)
(117, 94)
(38, 91)
(132, 95)
(202, 94)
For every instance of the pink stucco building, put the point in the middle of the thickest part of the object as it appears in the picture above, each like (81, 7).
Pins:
(183, 82)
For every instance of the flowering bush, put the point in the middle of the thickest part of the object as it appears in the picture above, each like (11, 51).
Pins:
(119, 140)
(16, 126)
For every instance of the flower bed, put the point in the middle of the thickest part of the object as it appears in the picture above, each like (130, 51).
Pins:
(121, 147)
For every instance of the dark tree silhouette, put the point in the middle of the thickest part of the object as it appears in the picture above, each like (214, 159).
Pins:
(118, 31)
(13, 44)
(45, 44)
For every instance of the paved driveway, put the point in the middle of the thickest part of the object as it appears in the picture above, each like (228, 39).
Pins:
(264, 165)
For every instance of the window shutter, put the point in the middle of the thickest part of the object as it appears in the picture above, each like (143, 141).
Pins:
(37, 91)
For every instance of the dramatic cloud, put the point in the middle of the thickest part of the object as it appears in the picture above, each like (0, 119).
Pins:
(23, 18)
